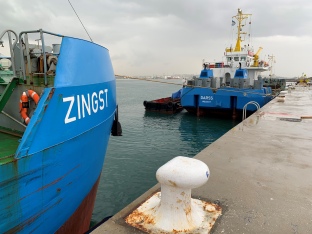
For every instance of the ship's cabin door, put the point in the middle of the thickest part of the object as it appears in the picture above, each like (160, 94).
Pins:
(227, 79)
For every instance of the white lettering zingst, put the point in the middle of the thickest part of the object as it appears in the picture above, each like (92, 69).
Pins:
(83, 106)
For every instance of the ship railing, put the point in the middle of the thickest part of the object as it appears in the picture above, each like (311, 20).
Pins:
(245, 108)
(25, 41)
(11, 45)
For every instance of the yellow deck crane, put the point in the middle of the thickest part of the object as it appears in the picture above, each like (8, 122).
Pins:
(256, 58)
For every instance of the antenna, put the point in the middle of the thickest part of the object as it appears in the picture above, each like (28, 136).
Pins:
(239, 18)
(80, 20)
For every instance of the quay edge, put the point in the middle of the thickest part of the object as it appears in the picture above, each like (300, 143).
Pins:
(259, 172)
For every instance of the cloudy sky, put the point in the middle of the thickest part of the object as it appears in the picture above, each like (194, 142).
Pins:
(166, 37)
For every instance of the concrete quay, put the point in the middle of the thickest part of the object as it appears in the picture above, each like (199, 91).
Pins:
(261, 172)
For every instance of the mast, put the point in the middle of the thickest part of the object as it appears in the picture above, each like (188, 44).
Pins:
(240, 17)
(271, 61)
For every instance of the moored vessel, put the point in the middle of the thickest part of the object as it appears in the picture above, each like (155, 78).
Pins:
(57, 109)
(228, 87)
(167, 105)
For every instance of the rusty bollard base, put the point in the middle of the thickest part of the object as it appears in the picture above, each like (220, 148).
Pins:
(145, 217)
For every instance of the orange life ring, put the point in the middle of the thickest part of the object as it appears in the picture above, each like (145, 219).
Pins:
(24, 105)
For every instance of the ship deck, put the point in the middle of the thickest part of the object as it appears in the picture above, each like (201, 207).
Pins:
(8, 146)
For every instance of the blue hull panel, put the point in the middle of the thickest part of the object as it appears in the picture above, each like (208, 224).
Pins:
(61, 154)
(223, 98)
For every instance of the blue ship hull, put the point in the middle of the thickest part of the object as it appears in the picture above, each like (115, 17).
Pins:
(223, 101)
(49, 184)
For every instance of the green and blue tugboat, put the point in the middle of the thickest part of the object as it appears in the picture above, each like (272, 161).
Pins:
(57, 108)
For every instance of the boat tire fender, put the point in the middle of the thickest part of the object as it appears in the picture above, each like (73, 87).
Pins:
(170, 104)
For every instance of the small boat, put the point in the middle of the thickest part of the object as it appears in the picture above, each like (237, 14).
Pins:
(228, 87)
(167, 105)
(58, 106)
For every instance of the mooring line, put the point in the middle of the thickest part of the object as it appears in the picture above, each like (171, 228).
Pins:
(137, 78)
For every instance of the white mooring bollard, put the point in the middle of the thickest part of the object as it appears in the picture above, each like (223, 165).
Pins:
(173, 210)
(281, 96)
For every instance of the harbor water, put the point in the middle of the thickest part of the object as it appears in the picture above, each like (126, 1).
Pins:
(149, 140)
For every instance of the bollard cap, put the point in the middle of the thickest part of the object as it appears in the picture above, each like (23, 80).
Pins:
(183, 172)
